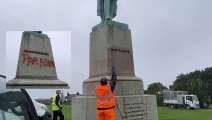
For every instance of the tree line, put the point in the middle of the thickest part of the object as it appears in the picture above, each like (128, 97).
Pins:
(198, 82)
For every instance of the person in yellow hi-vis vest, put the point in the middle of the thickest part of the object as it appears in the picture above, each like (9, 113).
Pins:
(56, 108)
(105, 98)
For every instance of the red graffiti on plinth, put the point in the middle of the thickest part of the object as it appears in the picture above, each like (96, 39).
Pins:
(41, 62)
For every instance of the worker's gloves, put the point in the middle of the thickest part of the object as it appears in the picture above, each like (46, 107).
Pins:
(61, 108)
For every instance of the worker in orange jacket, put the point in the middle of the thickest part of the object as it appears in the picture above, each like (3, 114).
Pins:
(105, 98)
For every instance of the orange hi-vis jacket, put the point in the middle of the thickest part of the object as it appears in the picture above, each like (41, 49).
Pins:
(104, 97)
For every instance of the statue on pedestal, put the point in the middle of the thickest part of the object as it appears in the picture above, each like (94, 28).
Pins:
(106, 9)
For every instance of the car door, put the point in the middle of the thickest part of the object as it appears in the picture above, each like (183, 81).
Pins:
(15, 104)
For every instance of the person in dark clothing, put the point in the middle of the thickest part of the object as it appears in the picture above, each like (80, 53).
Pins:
(56, 108)
(105, 98)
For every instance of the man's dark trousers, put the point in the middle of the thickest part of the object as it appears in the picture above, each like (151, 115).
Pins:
(58, 113)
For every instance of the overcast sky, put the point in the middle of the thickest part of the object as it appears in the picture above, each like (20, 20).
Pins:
(169, 36)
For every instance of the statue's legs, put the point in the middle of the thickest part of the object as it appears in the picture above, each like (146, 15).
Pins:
(100, 8)
(107, 13)
(113, 9)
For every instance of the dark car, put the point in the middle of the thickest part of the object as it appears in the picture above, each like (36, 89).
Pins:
(16, 104)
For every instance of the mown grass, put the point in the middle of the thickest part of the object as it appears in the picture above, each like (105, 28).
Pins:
(183, 114)
(164, 113)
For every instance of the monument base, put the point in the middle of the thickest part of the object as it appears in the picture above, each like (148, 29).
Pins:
(132, 107)
(36, 84)
(132, 85)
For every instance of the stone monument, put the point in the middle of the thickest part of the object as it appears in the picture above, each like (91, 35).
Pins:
(36, 67)
(111, 45)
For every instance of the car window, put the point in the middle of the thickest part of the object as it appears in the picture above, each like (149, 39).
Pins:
(13, 106)
(10, 116)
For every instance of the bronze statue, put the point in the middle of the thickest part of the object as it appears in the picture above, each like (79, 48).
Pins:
(106, 9)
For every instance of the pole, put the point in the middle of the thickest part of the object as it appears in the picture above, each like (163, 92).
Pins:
(110, 56)
(119, 111)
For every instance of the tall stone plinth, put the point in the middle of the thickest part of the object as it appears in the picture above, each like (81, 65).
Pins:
(36, 67)
(111, 45)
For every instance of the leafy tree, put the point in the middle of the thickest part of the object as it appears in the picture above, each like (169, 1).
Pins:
(207, 84)
(156, 89)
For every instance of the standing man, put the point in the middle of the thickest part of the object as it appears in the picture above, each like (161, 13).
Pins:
(105, 99)
(56, 108)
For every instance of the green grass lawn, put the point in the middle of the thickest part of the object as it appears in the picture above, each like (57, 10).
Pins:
(164, 113)
(183, 114)
(66, 111)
